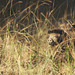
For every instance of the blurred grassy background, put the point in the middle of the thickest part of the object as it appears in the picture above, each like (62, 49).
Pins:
(24, 26)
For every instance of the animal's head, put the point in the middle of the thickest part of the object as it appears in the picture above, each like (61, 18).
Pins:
(55, 36)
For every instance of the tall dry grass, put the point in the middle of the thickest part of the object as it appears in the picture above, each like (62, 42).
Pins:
(25, 51)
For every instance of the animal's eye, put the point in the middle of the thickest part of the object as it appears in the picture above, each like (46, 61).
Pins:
(49, 40)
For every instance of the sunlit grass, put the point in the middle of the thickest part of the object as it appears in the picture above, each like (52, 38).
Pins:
(31, 57)
(25, 51)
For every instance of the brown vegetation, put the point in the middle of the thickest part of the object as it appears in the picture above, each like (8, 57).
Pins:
(24, 26)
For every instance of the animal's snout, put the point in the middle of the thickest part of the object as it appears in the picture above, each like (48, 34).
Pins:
(52, 41)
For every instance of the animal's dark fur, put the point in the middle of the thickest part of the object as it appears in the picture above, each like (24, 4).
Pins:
(73, 26)
(59, 31)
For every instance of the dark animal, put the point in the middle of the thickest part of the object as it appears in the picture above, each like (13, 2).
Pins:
(56, 36)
